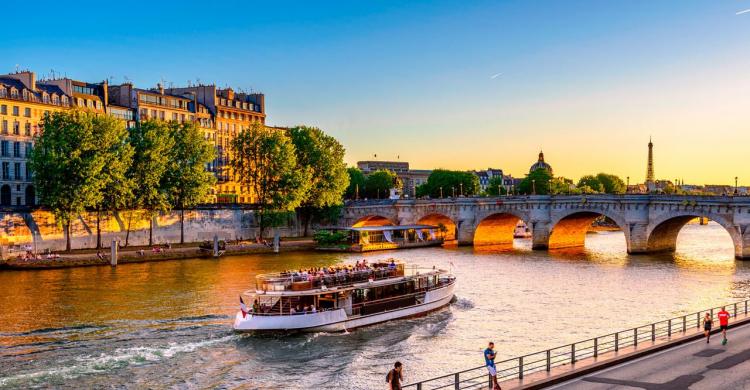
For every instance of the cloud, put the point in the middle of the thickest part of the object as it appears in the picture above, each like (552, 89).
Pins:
(743, 12)
(496, 75)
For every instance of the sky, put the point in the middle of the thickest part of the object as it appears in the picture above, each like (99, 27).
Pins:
(441, 84)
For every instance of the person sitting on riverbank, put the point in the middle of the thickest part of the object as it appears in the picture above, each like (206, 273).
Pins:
(100, 255)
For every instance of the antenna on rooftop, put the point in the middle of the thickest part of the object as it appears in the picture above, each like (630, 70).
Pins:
(17, 66)
(127, 80)
(197, 81)
(53, 73)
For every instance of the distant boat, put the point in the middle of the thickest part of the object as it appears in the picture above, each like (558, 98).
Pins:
(374, 238)
(521, 230)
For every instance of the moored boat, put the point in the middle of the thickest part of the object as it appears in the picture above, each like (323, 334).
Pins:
(343, 298)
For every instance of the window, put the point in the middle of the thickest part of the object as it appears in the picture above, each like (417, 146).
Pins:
(83, 89)
(29, 148)
(28, 172)
(65, 100)
(27, 129)
(45, 98)
(14, 93)
(2, 92)
(162, 115)
(27, 112)
(3, 108)
(174, 116)
(98, 105)
(5, 127)
(15, 110)
(16, 149)
(16, 128)
(6, 171)
(4, 148)
(17, 171)
(153, 114)
(55, 99)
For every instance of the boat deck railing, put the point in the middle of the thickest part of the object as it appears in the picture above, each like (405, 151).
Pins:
(519, 367)
(299, 282)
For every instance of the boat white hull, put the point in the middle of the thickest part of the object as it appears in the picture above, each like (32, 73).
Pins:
(337, 320)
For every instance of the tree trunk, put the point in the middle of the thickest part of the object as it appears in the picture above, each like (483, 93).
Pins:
(307, 216)
(67, 236)
(127, 233)
(150, 230)
(98, 231)
(182, 226)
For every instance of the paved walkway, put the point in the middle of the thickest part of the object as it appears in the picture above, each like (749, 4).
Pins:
(695, 365)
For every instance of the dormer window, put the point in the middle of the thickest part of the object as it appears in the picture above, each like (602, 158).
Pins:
(55, 99)
(65, 100)
(45, 98)
(14, 93)
(3, 92)
(25, 95)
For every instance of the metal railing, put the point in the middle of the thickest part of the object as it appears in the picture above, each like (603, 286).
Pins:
(546, 360)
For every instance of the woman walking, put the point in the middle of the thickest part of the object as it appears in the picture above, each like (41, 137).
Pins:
(707, 322)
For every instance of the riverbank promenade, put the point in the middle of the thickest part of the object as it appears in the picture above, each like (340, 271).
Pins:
(694, 365)
(669, 354)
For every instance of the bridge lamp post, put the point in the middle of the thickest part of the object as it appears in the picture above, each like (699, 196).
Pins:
(454, 190)
(735, 185)
(441, 192)
(533, 186)
(627, 187)
(461, 185)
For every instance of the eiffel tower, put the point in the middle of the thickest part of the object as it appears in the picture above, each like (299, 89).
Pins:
(650, 168)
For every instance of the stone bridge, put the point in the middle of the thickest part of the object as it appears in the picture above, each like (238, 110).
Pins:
(650, 222)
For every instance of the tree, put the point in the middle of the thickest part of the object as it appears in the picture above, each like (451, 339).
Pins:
(592, 184)
(356, 183)
(612, 183)
(117, 186)
(495, 186)
(450, 182)
(69, 162)
(265, 160)
(153, 145)
(536, 182)
(379, 183)
(186, 180)
(323, 156)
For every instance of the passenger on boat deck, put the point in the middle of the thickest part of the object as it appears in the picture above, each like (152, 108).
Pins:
(256, 307)
(292, 311)
(298, 310)
(314, 309)
(392, 266)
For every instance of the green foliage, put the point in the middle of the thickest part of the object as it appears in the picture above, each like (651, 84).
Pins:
(379, 183)
(590, 184)
(612, 183)
(356, 183)
(449, 180)
(153, 145)
(323, 156)
(73, 163)
(330, 238)
(495, 186)
(186, 178)
(328, 215)
(536, 182)
(265, 160)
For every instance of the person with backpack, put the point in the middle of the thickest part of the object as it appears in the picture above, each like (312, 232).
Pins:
(394, 377)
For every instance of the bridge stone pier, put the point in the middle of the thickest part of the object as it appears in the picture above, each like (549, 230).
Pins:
(650, 223)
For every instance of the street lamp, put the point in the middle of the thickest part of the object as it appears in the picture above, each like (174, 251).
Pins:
(441, 192)
(356, 193)
(627, 188)
(735, 185)
(454, 190)
(533, 186)
(461, 185)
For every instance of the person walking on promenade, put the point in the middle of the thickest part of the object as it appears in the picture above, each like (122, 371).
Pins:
(489, 361)
(723, 316)
(707, 322)
(394, 377)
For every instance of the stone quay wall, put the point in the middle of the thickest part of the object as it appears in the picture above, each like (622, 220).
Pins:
(38, 229)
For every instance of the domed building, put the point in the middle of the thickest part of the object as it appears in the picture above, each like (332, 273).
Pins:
(540, 164)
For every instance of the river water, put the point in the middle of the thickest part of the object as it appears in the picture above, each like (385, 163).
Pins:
(168, 324)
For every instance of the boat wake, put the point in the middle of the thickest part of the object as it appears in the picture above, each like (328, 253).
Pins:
(105, 362)
(463, 304)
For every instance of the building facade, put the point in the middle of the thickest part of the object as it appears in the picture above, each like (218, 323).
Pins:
(219, 113)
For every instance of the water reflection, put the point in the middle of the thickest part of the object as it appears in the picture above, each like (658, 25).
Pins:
(168, 324)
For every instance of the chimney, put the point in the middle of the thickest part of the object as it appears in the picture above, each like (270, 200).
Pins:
(28, 78)
(105, 94)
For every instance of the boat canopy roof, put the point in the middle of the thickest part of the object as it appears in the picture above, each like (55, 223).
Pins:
(382, 228)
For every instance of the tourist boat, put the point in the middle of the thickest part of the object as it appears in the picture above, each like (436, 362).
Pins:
(521, 230)
(374, 238)
(341, 301)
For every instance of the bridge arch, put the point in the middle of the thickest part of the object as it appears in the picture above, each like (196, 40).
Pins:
(497, 229)
(373, 220)
(569, 229)
(662, 232)
(437, 219)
